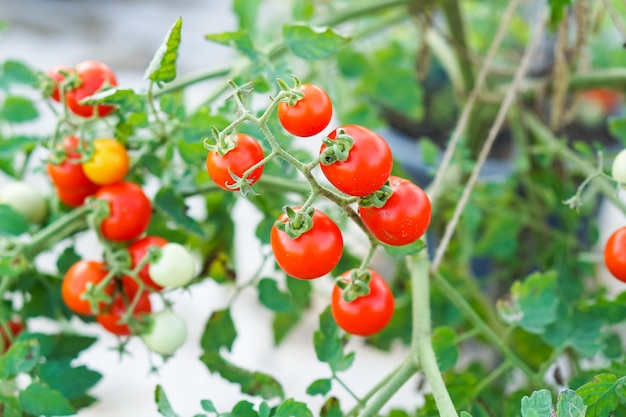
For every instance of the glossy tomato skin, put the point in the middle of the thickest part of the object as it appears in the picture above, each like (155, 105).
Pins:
(313, 254)
(405, 216)
(56, 74)
(310, 115)
(368, 166)
(93, 76)
(167, 333)
(109, 162)
(130, 211)
(69, 174)
(75, 283)
(25, 199)
(615, 254)
(246, 154)
(137, 250)
(75, 197)
(110, 318)
(15, 328)
(365, 315)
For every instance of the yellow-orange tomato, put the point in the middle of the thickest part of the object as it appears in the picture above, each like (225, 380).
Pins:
(109, 162)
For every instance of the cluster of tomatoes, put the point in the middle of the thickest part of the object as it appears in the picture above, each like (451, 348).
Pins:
(357, 162)
(615, 248)
(80, 169)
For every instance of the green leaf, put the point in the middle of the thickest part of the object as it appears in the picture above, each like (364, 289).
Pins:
(612, 346)
(239, 40)
(271, 296)
(533, 304)
(9, 405)
(173, 205)
(125, 98)
(72, 382)
(242, 409)
(251, 383)
(444, 344)
(465, 414)
(162, 68)
(265, 410)
(67, 258)
(41, 400)
(570, 404)
(352, 64)
(557, 10)
(283, 323)
(329, 345)
(405, 250)
(20, 143)
(300, 291)
(199, 125)
(247, 12)
(207, 405)
(18, 109)
(16, 72)
(59, 346)
(617, 128)
(311, 43)
(163, 404)
(303, 9)
(12, 223)
(602, 395)
(429, 151)
(293, 408)
(538, 405)
(319, 387)
(219, 332)
(21, 357)
(331, 408)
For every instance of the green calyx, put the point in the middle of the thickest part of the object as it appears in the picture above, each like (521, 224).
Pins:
(295, 92)
(357, 286)
(378, 198)
(297, 223)
(337, 149)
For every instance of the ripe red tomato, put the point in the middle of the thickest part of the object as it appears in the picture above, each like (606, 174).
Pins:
(93, 76)
(314, 253)
(310, 115)
(69, 174)
(405, 216)
(138, 250)
(15, 327)
(368, 165)
(367, 314)
(246, 154)
(615, 254)
(75, 284)
(130, 211)
(110, 318)
(56, 74)
(75, 197)
(109, 162)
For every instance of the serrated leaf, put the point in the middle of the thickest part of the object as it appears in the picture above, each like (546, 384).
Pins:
(12, 223)
(272, 297)
(602, 395)
(125, 98)
(247, 12)
(251, 383)
(163, 404)
(293, 408)
(72, 382)
(329, 345)
(570, 404)
(41, 400)
(173, 205)
(21, 357)
(446, 351)
(240, 40)
(311, 43)
(219, 332)
(162, 68)
(59, 346)
(533, 304)
(319, 387)
(538, 405)
(405, 250)
(18, 109)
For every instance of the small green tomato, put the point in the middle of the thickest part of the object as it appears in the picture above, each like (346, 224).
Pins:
(166, 333)
(174, 268)
(618, 171)
(26, 200)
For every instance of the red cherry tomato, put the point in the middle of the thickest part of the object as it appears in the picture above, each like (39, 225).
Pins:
(69, 174)
(405, 216)
(76, 281)
(75, 197)
(368, 314)
(615, 254)
(15, 328)
(93, 76)
(130, 211)
(110, 318)
(138, 249)
(314, 253)
(310, 115)
(56, 74)
(368, 165)
(246, 154)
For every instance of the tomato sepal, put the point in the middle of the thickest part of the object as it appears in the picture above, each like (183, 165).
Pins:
(337, 150)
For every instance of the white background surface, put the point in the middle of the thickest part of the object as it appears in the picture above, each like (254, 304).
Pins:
(125, 34)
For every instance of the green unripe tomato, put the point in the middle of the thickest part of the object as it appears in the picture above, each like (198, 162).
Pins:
(618, 170)
(26, 200)
(174, 268)
(166, 333)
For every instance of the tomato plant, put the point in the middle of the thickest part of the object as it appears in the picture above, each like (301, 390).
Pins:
(93, 76)
(312, 254)
(138, 250)
(111, 317)
(109, 162)
(367, 167)
(367, 314)
(246, 154)
(175, 267)
(69, 172)
(77, 282)
(309, 115)
(130, 211)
